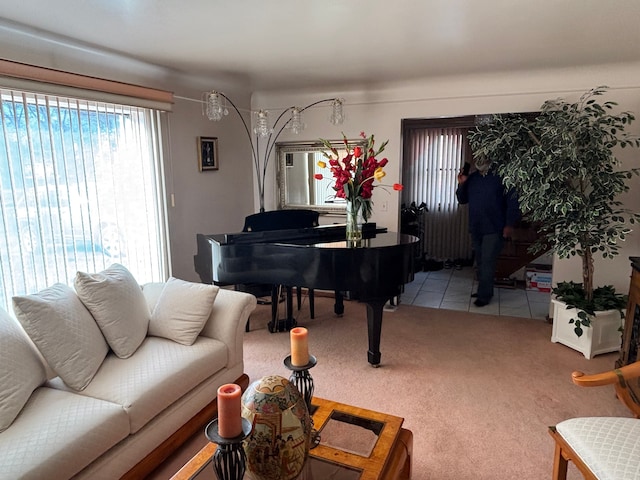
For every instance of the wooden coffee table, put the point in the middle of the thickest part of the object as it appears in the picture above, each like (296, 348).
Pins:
(355, 444)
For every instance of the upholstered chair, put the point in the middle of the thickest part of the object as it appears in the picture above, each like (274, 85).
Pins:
(602, 448)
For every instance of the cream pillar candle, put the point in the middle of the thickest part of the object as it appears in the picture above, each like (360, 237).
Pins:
(229, 416)
(299, 346)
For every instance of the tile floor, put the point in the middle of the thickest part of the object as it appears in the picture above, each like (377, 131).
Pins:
(451, 289)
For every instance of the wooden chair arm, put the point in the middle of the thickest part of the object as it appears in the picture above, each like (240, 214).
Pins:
(627, 372)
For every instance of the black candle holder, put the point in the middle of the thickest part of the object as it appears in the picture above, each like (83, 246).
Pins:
(229, 459)
(303, 381)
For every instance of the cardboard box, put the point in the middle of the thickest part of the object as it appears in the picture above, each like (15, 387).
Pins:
(538, 278)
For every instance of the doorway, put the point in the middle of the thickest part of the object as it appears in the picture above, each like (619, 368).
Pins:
(434, 151)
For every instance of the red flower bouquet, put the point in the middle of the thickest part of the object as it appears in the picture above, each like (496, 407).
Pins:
(355, 173)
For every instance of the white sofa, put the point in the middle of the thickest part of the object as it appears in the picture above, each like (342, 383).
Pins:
(139, 404)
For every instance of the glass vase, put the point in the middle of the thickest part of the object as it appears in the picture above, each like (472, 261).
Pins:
(354, 222)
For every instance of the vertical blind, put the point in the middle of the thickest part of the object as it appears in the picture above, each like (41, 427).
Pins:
(433, 156)
(80, 189)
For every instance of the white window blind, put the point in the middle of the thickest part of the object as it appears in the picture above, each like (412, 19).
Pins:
(433, 157)
(80, 189)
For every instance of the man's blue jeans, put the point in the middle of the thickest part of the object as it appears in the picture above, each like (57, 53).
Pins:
(487, 248)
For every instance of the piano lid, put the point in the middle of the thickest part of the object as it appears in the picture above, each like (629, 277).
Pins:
(290, 235)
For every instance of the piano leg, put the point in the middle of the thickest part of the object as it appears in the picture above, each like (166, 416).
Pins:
(374, 327)
(338, 306)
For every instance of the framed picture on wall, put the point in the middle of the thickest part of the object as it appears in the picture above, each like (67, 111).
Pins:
(208, 153)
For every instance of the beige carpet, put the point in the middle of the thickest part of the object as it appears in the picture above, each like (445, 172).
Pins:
(478, 391)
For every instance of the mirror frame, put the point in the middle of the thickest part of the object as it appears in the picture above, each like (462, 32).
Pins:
(283, 148)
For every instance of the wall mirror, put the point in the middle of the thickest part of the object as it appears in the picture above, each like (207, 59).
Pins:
(297, 188)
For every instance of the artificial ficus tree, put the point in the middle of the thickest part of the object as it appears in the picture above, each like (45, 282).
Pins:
(563, 165)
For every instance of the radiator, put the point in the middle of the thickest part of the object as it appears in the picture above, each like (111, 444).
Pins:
(446, 234)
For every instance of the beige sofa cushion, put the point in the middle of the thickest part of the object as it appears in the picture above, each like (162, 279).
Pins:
(115, 300)
(159, 373)
(64, 331)
(58, 434)
(182, 310)
(21, 370)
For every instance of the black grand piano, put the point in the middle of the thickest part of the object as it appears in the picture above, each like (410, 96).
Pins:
(317, 258)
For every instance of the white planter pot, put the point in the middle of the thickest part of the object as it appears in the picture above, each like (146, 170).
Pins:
(602, 336)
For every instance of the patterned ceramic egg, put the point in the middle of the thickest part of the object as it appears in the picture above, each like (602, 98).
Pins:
(279, 442)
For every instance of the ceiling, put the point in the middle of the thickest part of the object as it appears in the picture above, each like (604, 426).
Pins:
(277, 44)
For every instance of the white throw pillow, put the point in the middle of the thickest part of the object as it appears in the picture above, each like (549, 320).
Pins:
(65, 333)
(182, 310)
(116, 301)
(21, 370)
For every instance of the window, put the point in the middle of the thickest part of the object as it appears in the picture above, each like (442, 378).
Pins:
(80, 189)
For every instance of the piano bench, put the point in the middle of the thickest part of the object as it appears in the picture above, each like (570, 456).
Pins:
(286, 324)
(311, 295)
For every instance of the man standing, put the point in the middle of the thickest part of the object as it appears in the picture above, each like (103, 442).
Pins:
(493, 212)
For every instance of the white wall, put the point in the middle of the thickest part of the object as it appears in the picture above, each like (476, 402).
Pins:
(380, 111)
(212, 201)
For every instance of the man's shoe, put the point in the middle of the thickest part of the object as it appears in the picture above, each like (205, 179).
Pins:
(480, 303)
(475, 295)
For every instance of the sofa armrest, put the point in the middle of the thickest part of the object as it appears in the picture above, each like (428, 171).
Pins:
(227, 321)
